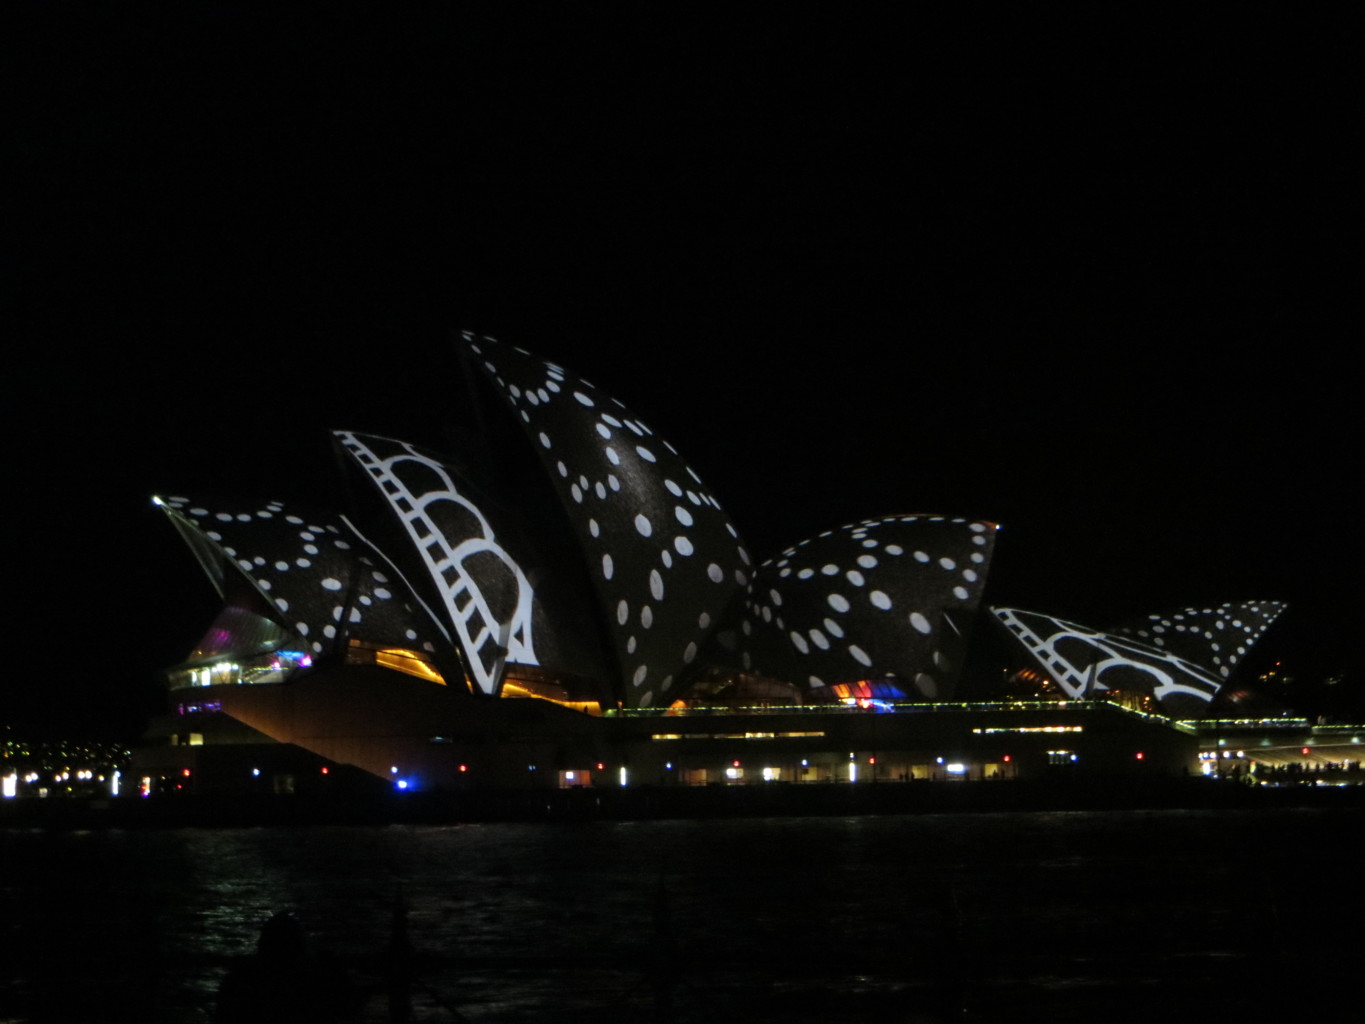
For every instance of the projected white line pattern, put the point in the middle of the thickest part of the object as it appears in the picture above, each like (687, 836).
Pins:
(1169, 674)
(487, 643)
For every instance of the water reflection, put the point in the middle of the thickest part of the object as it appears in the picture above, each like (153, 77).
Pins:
(1071, 914)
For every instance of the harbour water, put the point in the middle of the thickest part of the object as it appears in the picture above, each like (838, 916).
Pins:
(1068, 916)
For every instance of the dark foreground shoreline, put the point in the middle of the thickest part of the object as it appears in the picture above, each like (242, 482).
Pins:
(650, 803)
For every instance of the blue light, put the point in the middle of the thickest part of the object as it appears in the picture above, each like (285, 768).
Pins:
(402, 783)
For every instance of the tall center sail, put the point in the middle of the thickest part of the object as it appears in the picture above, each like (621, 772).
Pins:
(664, 558)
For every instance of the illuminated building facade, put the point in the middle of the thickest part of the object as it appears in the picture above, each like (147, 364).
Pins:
(600, 619)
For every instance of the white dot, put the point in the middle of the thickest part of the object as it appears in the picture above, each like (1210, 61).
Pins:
(854, 577)
(382, 594)
(302, 563)
(819, 639)
(683, 545)
(714, 571)
(656, 584)
(331, 584)
(606, 434)
(544, 439)
(593, 528)
(601, 491)
(684, 516)
(606, 567)
(690, 653)
(281, 604)
(947, 563)
(666, 557)
(805, 574)
(622, 612)
(859, 654)
(646, 616)
(583, 399)
(645, 453)
(703, 620)
(673, 488)
(969, 575)
(329, 631)
(282, 566)
(879, 600)
(830, 569)
(312, 549)
(838, 602)
(920, 623)
(642, 524)
(612, 457)
(640, 674)
(799, 642)
(960, 593)
(920, 556)
(867, 561)
(612, 482)
(834, 629)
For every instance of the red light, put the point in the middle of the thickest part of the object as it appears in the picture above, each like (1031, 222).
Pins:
(186, 772)
(1140, 755)
(1007, 759)
(871, 760)
(1304, 751)
(325, 769)
(464, 767)
(600, 766)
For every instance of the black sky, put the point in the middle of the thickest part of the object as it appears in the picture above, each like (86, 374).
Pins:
(1097, 278)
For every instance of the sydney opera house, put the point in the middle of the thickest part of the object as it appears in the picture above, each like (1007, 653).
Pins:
(579, 610)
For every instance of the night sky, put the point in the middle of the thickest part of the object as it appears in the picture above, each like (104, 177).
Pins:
(1096, 278)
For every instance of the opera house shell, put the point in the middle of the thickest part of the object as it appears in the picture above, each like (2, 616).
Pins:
(474, 612)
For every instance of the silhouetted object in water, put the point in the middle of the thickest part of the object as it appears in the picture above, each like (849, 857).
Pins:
(663, 956)
(400, 966)
(284, 982)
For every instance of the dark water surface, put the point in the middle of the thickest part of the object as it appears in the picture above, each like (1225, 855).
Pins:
(1067, 916)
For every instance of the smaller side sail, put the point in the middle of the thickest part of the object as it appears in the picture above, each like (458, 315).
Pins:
(1216, 638)
(1082, 660)
(313, 575)
(482, 593)
(883, 597)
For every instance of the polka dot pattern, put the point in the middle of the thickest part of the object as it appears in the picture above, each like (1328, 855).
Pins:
(878, 598)
(302, 593)
(1216, 638)
(635, 505)
(1180, 658)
